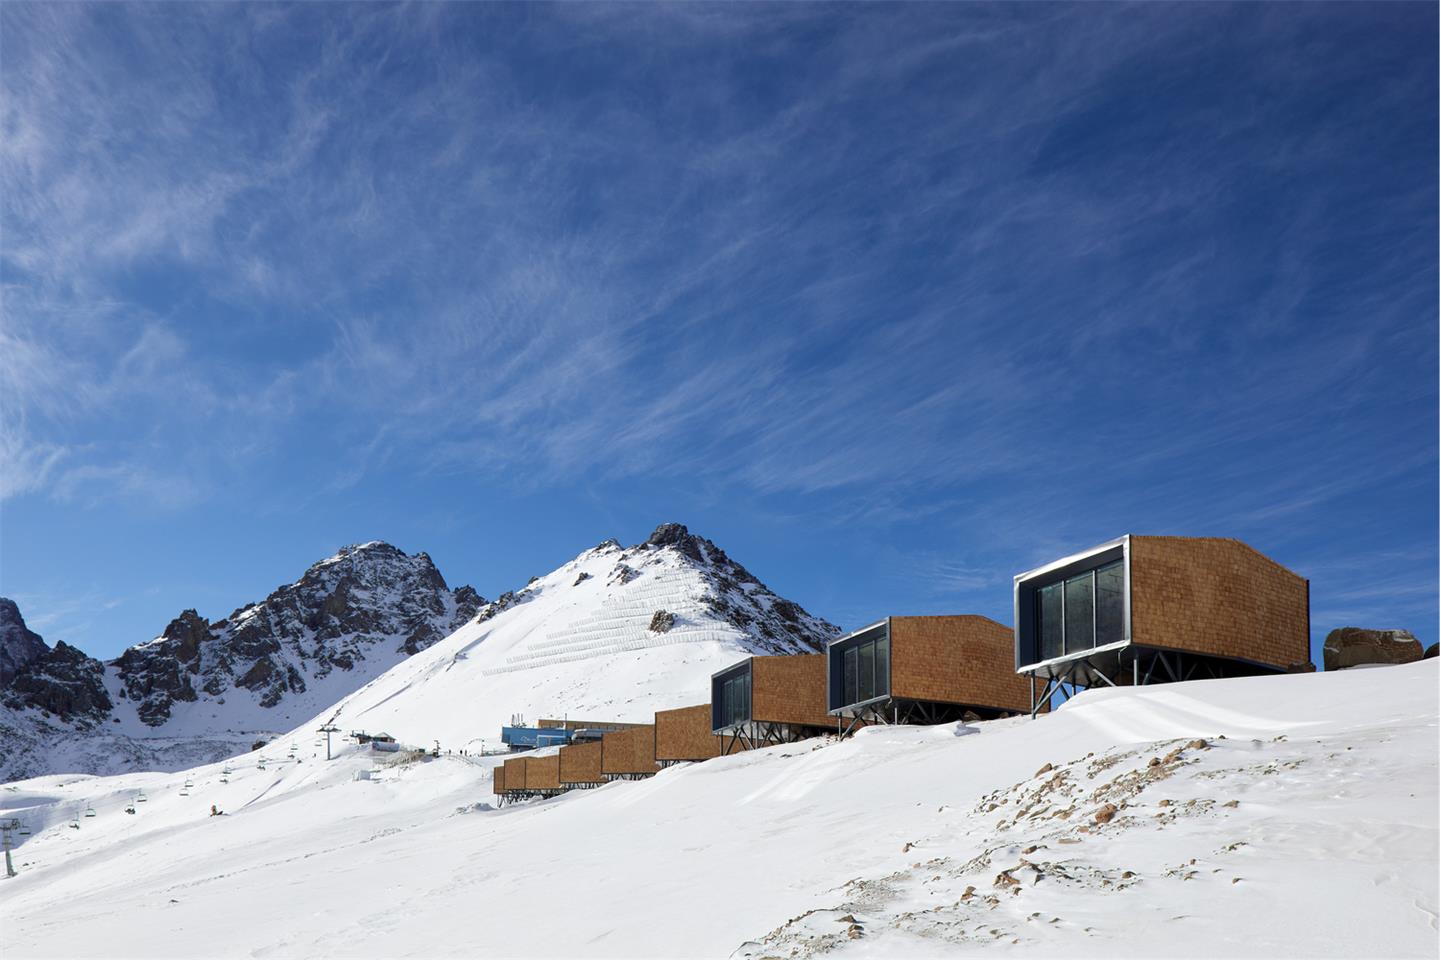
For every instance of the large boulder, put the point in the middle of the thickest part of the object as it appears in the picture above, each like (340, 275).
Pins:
(1354, 646)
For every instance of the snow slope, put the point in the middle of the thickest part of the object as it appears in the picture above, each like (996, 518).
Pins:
(575, 643)
(1305, 825)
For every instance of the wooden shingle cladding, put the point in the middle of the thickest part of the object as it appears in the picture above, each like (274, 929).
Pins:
(542, 773)
(790, 689)
(629, 752)
(497, 776)
(1172, 606)
(1218, 597)
(512, 774)
(580, 764)
(684, 734)
(964, 659)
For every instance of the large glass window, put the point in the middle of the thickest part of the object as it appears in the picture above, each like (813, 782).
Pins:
(882, 665)
(1110, 604)
(867, 671)
(1051, 610)
(1080, 612)
(735, 699)
(860, 668)
(852, 675)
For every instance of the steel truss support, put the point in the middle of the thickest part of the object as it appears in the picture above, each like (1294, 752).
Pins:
(1160, 666)
(917, 712)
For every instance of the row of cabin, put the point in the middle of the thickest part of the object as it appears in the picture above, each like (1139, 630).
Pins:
(1131, 611)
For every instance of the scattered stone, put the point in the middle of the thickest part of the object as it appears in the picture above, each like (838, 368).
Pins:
(1235, 880)
(581, 579)
(1231, 803)
(1127, 875)
(1154, 762)
(1106, 813)
(1353, 646)
(1164, 803)
(1045, 769)
(967, 895)
(662, 621)
(907, 847)
(1197, 745)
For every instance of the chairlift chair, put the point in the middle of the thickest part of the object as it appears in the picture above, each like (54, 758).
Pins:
(90, 811)
(130, 808)
(140, 797)
(24, 830)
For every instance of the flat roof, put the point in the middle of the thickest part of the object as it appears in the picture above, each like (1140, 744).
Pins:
(1074, 558)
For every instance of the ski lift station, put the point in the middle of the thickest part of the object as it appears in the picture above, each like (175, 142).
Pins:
(924, 670)
(555, 733)
(1154, 609)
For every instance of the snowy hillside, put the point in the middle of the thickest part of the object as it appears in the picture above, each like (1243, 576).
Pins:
(583, 642)
(615, 634)
(1280, 816)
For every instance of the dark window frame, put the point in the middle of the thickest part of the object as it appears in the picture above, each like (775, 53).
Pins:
(1030, 646)
(841, 694)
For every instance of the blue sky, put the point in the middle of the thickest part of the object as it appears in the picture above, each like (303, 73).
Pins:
(890, 301)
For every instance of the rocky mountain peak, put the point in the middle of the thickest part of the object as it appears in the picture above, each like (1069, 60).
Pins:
(777, 625)
(61, 682)
(19, 645)
(366, 601)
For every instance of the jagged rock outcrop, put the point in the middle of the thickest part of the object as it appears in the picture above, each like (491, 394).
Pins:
(777, 625)
(367, 598)
(1353, 646)
(662, 621)
(62, 683)
(19, 645)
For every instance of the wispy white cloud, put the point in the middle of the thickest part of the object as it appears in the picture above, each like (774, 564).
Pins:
(406, 252)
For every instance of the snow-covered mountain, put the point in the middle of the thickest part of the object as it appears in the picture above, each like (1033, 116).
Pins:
(1289, 816)
(615, 634)
(206, 690)
(373, 638)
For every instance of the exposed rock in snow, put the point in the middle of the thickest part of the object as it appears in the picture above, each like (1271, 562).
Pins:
(1354, 646)
(63, 683)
